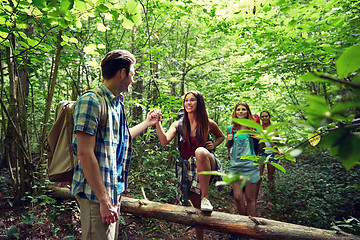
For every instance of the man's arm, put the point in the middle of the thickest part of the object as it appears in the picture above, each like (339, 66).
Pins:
(90, 167)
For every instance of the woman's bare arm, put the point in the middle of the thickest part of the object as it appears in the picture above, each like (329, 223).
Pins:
(165, 138)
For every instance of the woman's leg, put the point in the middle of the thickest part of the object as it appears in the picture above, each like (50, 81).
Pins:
(196, 201)
(239, 199)
(261, 169)
(250, 196)
(204, 162)
(271, 176)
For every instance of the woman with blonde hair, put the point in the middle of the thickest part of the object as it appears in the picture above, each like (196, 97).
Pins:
(240, 145)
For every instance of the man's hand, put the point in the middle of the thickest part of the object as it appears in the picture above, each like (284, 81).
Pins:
(109, 212)
(154, 117)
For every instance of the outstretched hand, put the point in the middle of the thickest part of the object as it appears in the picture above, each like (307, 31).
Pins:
(154, 116)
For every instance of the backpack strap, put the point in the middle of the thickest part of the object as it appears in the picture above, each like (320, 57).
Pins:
(231, 129)
(180, 131)
(103, 105)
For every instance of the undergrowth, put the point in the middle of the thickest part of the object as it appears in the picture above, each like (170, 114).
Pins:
(316, 191)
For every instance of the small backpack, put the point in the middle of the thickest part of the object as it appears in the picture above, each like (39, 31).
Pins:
(58, 143)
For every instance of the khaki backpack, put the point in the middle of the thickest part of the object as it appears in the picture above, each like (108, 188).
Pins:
(58, 143)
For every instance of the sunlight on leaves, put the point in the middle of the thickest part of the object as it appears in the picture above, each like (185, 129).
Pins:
(127, 23)
(80, 5)
(73, 40)
(101, 46)
(93, 63)
(101, 27)
(90, 49)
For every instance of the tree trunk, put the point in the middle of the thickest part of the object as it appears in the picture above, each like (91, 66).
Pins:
(258, 228)
(51, 90)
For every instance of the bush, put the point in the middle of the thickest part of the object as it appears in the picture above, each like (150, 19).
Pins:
(316, 191)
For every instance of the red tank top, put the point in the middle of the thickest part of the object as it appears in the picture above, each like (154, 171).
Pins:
(189, 150)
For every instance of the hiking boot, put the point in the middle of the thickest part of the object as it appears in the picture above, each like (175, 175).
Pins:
(206, 205)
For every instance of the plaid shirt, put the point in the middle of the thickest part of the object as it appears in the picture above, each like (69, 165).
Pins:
(193, 178)
(112, 145)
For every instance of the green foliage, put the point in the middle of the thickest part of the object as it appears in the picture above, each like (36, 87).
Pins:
(230, 51)
(335, 123)
(228, 179)
(348, 62)
(315, 191)
(351, 225)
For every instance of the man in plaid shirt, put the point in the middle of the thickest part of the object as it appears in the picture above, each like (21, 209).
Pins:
(104, 152)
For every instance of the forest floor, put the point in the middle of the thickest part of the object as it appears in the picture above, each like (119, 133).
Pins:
(37, 220)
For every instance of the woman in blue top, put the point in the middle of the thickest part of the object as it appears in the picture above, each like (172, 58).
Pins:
(243, 145)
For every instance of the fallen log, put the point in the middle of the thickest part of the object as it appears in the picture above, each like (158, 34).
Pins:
(255, 227)
(259, 228)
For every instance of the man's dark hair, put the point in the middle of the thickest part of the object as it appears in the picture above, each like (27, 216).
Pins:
(115, 61)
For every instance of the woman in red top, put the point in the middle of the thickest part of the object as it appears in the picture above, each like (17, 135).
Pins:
(196, 148)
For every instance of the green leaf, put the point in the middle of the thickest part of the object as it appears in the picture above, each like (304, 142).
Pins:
(132, 7)
(32, 42)
(100, 27)
(128, 24)
(3, 34)
(245, 132)
(136, 19)
(11, 232)
(342, 108)
(39, 3)
(349, 151)
(66, 5)
(247, 123)
(102, 8)
(292, 23)
(290, 158)
(212, 173)
(80, 5)
(312, 77)
(267, 8)
(278, 166)
(348, 62)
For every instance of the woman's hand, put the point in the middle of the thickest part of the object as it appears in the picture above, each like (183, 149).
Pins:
(209, 145)
(154, 117)
(230, 137)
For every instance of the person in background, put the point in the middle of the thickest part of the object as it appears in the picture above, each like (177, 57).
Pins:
(196, 149)
(104, 153)
(265, 122)
(240, 145)
(256, 141)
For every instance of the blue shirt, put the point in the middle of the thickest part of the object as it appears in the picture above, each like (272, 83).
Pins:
(112, 144)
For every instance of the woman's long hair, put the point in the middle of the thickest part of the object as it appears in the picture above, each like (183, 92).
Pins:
(201, 117)
(249, 114)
